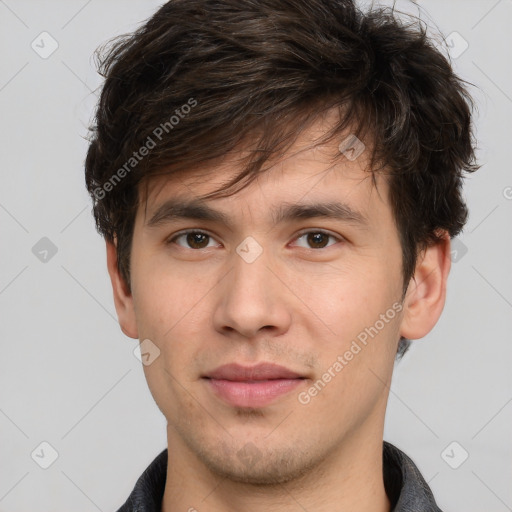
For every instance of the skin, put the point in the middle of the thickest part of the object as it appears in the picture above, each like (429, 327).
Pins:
(300, 304)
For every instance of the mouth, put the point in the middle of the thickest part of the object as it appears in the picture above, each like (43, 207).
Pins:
(255, 386)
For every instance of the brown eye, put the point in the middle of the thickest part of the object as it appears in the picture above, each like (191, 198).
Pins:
(197, 240)
(317, 239)
(192, 240)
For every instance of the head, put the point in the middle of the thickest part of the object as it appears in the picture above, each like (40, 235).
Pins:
(246, 108)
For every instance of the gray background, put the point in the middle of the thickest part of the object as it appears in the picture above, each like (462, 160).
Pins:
(68, 376)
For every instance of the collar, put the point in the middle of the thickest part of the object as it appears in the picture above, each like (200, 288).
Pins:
(404, 484)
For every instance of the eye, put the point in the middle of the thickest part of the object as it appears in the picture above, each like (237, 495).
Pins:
(193, 240)
(197, 240)
(317, 239)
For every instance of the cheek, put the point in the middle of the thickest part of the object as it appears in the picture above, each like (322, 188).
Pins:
(171, 314)
(359, 311)
(168, 295)
(172, 311)
(349, 297)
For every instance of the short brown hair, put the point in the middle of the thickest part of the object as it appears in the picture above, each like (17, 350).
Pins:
(264, 70)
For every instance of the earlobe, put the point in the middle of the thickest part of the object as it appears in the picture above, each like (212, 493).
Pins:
(426, 293)
(123, 299)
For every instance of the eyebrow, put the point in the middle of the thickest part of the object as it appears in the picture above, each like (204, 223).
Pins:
(175, 209)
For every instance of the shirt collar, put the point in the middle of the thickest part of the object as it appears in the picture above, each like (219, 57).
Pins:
(404, 484)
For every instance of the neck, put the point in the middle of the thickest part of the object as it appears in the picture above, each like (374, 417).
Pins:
(351, 478)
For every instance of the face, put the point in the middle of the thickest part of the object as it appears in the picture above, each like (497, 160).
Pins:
(294, 282)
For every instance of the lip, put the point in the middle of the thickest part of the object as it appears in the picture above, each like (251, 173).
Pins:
(261, 371)
(252, 386)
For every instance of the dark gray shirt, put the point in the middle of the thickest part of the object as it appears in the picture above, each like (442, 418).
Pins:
(405, 487)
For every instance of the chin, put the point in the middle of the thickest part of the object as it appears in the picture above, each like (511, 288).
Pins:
(253, 466)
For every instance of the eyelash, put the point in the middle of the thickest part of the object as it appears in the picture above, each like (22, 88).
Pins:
(299, 235)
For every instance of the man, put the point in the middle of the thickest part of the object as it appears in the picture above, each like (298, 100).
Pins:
(277, 183)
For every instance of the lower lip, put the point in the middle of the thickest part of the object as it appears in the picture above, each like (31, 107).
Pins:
(252, 394)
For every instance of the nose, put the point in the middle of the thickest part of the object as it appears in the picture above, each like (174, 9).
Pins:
(252, 299)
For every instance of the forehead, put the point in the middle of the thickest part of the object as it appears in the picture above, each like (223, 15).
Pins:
(311, 169)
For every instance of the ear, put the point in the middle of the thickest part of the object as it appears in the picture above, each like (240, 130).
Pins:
(123, 299)
(426, 293)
